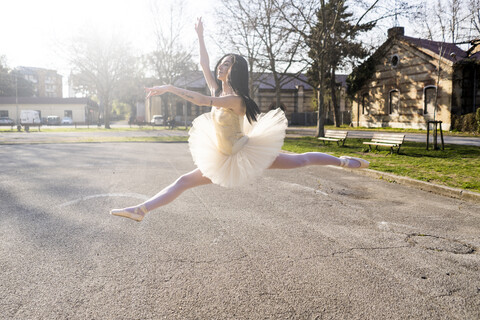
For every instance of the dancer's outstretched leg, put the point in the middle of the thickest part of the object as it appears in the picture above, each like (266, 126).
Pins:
(291, 161)
(167, 195)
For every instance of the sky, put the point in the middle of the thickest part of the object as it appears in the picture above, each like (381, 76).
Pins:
(33, 32)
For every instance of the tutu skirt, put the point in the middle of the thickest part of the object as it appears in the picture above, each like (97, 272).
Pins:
(265, 140)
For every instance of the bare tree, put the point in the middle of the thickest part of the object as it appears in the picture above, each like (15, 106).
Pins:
(99, 63)
(170, 60)
(304, 16)
(445, 20)
(131, 88)
(474, 31)
(277, 43)
(241, 37)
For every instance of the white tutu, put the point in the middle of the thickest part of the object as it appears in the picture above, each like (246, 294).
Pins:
(265, 140)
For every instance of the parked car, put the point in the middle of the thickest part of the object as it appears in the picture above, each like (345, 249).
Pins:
(67, 120)
(157, 120)
(53, 120)
(6, 121)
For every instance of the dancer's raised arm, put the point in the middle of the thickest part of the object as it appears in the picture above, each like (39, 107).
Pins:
(204, 59)
(232, 102)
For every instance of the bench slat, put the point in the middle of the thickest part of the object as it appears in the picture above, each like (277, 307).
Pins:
(335, 135)
(382, 144)
(387, 140)
(396, 136)
(328, 139)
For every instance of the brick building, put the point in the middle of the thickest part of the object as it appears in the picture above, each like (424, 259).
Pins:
(410, 81)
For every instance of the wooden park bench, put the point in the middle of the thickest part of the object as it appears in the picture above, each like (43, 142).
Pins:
(386, 140)
(335, 135)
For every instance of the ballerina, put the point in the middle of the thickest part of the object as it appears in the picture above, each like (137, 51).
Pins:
(234, 143)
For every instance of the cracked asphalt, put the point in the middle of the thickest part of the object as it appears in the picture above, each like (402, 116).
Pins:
(312, 243)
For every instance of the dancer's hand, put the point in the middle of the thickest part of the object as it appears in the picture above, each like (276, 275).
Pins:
(199, 27)
(156, 91)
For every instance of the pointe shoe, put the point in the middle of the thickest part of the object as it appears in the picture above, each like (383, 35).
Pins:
(346, 159)
(138, 213)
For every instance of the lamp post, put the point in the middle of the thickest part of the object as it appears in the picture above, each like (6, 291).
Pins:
(16, 102)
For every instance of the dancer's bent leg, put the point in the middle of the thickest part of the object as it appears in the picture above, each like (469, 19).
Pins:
(167, 195)
(291, 161)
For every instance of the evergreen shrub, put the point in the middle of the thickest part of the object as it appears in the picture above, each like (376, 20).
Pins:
(466, 123)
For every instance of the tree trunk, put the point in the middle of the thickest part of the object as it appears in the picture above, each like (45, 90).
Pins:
(106, 112)
(277, 96)
(336, 107)
(321, 107)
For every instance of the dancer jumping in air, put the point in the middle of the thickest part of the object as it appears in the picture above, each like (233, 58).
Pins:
(233, 143)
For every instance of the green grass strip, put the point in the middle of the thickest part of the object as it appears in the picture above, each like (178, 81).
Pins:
(457, 166)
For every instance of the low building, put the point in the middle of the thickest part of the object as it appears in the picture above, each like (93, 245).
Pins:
(297, 99)
(81, 110)
(410, 81)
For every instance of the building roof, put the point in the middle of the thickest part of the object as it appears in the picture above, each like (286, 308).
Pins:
(33, 70)
(265, 81)
(192, 80)
(47, 100)
(449, 51)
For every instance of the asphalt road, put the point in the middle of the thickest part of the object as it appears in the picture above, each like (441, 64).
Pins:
(313, 243)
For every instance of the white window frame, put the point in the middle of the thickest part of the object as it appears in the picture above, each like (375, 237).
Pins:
(390, 107)
(425, 96)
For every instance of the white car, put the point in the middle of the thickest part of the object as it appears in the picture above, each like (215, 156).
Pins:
(157, 120)
(67, 120)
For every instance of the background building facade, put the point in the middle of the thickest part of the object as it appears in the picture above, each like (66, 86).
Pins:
(414, 81)
(81, 110)
(46, 83)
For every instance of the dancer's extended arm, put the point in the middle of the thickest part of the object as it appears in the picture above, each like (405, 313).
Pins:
(230, 102)
(204, 59)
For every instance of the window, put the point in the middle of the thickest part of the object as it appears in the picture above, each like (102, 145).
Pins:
(4, 113)
(429, 93)
(394, 60)
(394, 101)
(365, 103)
(49, 79)
(67, 113)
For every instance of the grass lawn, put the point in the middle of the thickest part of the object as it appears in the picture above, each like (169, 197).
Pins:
(388, 129)
(457, 166)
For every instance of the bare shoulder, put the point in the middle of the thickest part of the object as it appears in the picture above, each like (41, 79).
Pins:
(232, 102)
(237, 105)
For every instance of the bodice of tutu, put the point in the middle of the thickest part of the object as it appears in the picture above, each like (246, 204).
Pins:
(230, 151)
(229, 130)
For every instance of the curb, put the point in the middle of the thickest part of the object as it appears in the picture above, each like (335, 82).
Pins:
(422, 185)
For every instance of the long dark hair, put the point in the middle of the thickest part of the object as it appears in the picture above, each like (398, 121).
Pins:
(238, 80)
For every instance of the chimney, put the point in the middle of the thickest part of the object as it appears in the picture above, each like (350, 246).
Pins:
(396, 31)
